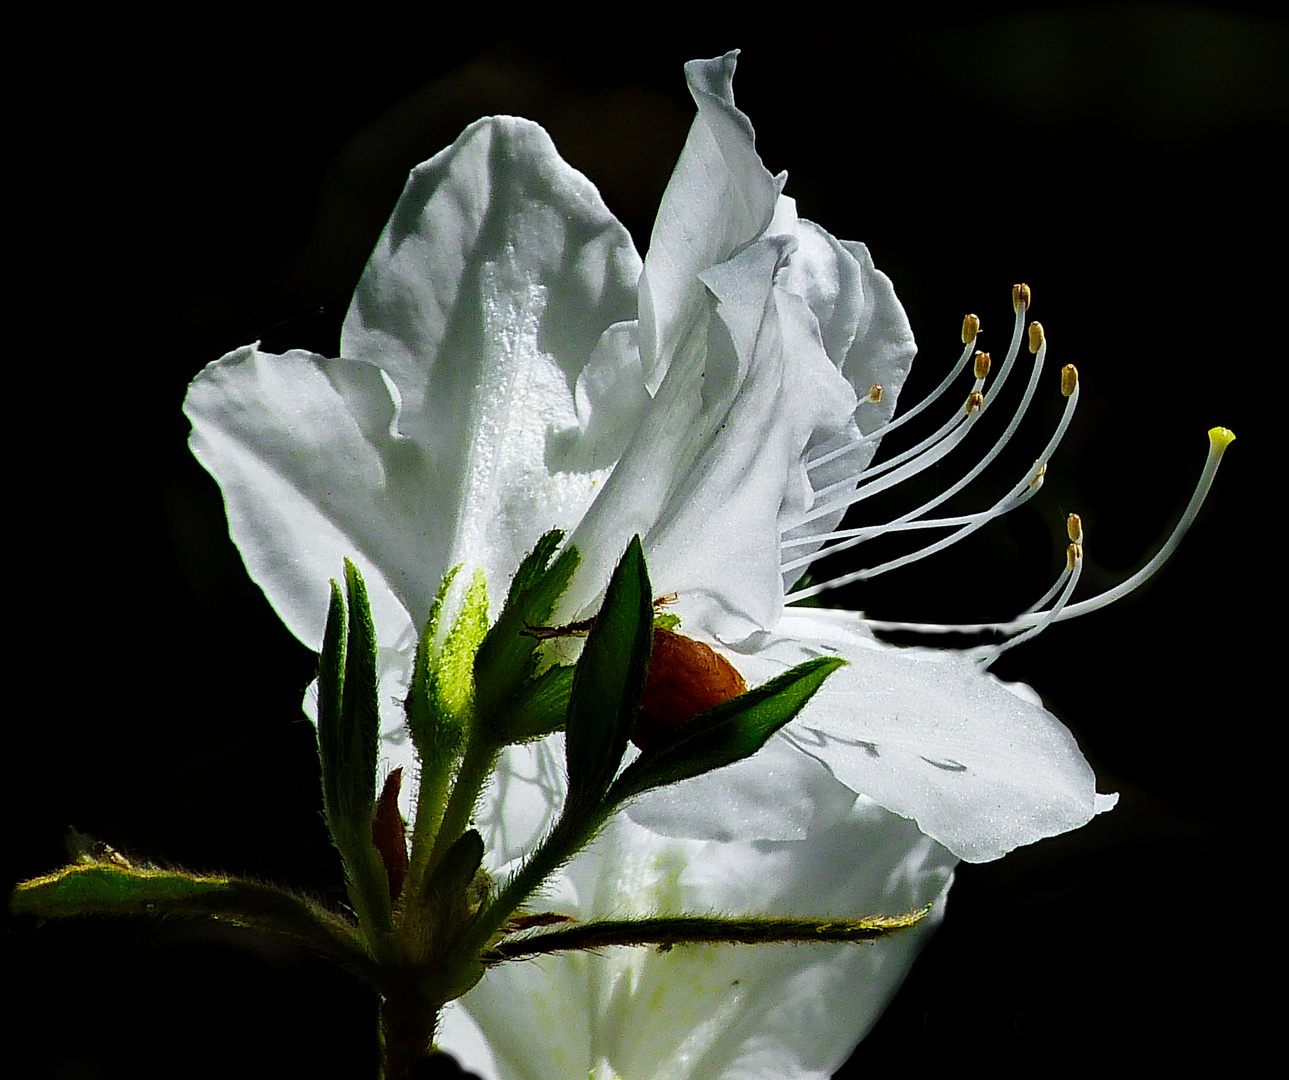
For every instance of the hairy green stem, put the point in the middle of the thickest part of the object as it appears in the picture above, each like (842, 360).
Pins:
(575, 829)
(476, 767)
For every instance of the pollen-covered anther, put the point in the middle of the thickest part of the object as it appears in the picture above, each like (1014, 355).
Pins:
(1069, 379)
(982, 364)
(1020, 297)
(970, 328)
(1035, 336)
(875, 394)
(1073, 556)
(1074, 528)
(1040, 471)
(975, 402)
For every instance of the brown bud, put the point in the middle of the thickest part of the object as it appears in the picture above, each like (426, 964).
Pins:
(686, 677)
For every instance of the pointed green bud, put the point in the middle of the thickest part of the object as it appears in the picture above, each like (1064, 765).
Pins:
(730, 732)
(441, 699)
(609, 681)
(509, 657)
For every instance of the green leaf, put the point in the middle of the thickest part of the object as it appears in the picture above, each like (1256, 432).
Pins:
(348, 745)
(331, 686)
(609, 681)
(348, 711)
(508, 657)
(93, 887)
(668, 931)
(361, 708)
(732, 731)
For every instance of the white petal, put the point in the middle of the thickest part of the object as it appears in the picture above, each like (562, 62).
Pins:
(491, 287)
(979, 767)
(777, 794)
(311, 472)
(714, 1013)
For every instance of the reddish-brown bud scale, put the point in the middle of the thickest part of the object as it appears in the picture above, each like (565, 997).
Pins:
(685, 678)
(389, 834)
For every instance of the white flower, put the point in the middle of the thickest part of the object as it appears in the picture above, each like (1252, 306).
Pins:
(509, 366)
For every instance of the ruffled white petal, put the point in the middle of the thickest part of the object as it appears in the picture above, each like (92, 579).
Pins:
(979, 765)
(312, 472)
(719, 199)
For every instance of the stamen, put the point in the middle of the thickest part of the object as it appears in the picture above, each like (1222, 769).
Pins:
(1020, 494)
(875, 394)
(1073, 568)
(1020, 297)
(972, 523)
(845, 493)
(982, 365)
(970, 323)
(1035, 336)
(1219, 439)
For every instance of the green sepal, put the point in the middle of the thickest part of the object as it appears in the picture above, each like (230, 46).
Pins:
(114, 888)
(450, 889)
(730, 732)
(508, 657)
(541, 704)
(455, 891)
(609, 681)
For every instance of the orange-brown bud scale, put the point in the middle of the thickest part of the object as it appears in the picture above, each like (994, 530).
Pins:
(389, 834)
(686, 677)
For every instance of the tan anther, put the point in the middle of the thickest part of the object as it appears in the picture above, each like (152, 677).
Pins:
(970, 328)
(1074, 528)
(1073, 556)
(1020, 297)
(1069, 380)
(1040, 471)
(975, 402)
(875, 393)
(1035, 336)
(982, 364)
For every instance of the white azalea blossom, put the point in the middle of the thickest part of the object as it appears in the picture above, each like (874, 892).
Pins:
(510, 365)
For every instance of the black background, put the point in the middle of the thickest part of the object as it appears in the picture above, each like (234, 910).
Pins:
(183, 190)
